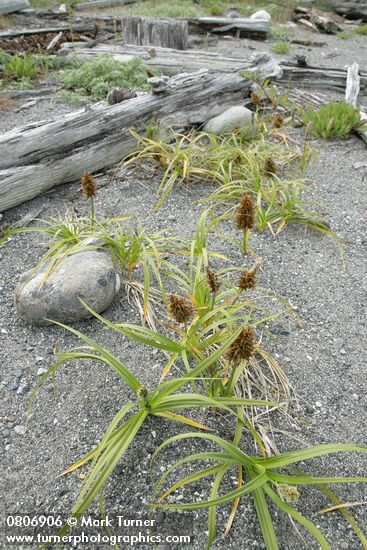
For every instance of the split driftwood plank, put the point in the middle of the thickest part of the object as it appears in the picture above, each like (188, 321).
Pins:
(170, 61)
(151, 31)
(11, 6)
(318, 78)
(245, 28)
(35, 158)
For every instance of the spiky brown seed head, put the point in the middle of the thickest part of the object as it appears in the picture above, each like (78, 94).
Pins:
(278, 121)
(242, 348)
(179, 308)
(247, 280)
(270, 167)
(245, 213)
(212, 279)
(289, 493)
(142, 392)
(89, 185)
(256, 99)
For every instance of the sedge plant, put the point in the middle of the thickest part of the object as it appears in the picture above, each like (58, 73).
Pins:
(166, 400)
(333, 120)
(266, 479)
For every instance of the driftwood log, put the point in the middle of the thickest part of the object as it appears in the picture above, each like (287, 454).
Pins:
(97, 4)
(319, 78)
(35, 158)
(243, 28)
(151, 31)
(11, 6)
(171, 62)
(351, 10)
(46, 30)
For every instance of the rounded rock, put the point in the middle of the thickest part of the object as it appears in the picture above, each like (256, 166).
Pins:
(228, 121)
(261, 15)
(89, 276)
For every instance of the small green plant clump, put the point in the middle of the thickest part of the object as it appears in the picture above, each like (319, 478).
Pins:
(344, 35)
(94, 79)
(281, 48)
(335, 119)
(362, 29)
(20, 68)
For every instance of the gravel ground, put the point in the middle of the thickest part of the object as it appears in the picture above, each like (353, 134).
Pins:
(324, 358)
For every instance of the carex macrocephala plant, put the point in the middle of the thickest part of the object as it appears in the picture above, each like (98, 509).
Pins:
(89, 187)
(166, 400)
(245, 217)
(265, 479)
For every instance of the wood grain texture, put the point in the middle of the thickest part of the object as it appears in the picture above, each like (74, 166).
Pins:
(171, 62)
(150, 31)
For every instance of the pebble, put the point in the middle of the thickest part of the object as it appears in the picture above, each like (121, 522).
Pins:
(23, 388)
(159, 518)
(20, 430)
(318, 404)
(6, 433)
(14, 384)
(4, 331)
(41, 371)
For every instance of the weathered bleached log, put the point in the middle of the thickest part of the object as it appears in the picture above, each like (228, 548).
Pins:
(173, 61)
(11, 6)
(36, 158)
(97, 4)
(245, 28)
(351, 10)
(46, 30)
(353, 85)
(319, 77)
(351, 95)
(151, 31)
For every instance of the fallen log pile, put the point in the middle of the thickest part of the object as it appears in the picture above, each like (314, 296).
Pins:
(35, 158)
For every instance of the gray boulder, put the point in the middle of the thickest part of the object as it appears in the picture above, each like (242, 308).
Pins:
(89, 275)
(230, 120)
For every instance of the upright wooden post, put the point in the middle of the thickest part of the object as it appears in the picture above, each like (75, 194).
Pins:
(150, 31)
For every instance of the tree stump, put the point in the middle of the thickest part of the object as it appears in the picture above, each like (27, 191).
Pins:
(149, 31)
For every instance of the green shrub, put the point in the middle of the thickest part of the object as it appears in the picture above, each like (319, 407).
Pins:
(335, 119)
(362, 29)
(344, 35)
(281, 48)
(94, 79)
(20, 68)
